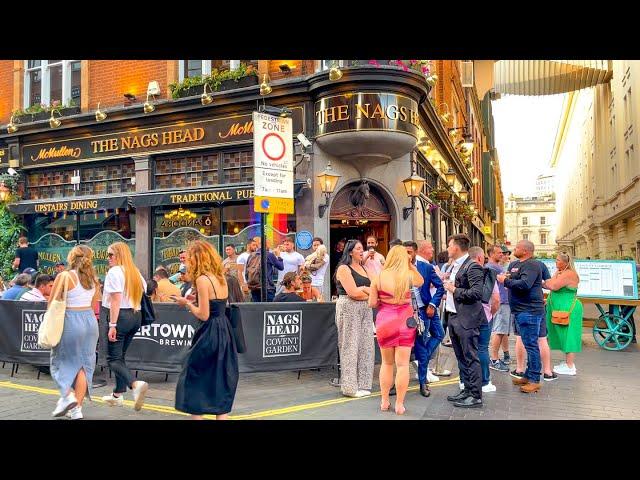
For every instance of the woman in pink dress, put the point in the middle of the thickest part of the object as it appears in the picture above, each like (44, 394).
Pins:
(391, 294)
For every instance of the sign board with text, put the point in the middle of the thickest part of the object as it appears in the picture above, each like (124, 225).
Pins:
(273, 163)
(604, 278)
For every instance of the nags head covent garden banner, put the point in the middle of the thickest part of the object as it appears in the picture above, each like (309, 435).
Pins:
(277, 336)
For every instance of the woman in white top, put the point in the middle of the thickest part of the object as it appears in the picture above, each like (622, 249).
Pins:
(123, 290)
(73, 360)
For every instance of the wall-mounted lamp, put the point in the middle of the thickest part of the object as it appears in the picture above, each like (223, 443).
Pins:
(55, 122)
(475, 180)
(265, 87)
(413, 186)
(206, 98)
(334, 72)
(5, 193)
(148, 106)
(130, 97)
(450, 176)
(11, 126)
(100, 115)
(328, 181)
(153, 88)
(464, 195)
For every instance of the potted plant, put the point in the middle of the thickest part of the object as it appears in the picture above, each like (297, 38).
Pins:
(244, 76)
(439, 194)
(41, 111)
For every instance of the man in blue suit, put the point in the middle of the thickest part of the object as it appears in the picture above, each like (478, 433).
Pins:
(426, 345)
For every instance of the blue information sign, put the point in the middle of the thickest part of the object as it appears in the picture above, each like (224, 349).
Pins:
(304, 240)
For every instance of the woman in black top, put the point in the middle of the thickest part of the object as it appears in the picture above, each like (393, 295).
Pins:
(291, 283)
(354, 319)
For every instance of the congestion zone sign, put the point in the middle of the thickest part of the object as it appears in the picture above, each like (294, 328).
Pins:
(273, 163)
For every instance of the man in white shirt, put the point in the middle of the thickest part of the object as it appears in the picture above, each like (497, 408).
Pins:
(373, 261)
(292, 261)
(41, 291)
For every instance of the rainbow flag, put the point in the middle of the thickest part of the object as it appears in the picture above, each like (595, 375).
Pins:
(277, 221)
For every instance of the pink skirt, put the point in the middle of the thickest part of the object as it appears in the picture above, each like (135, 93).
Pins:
(391, 325)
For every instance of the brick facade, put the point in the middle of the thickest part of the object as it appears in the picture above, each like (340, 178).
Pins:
(6, 90)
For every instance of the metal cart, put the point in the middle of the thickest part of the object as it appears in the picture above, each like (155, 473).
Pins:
(614, 329)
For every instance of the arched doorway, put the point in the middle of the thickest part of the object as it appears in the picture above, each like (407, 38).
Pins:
(358, 211)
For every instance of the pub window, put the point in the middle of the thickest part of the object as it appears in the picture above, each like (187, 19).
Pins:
(49, 81)
(94, 180)
(204, 170)
(200, 68)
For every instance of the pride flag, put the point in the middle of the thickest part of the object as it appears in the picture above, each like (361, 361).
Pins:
(277, 221)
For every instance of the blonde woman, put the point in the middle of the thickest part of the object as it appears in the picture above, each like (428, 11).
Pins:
(391, 294)
(564, 290)
(123, 290)
(73, 360)
(207, 384)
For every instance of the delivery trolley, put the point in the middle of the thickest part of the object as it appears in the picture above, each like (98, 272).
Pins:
(614, 329)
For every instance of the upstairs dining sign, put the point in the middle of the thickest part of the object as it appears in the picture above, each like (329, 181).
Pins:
(167, 138)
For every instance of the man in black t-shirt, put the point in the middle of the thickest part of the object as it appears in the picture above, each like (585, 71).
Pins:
(26, 256)
(524, 281)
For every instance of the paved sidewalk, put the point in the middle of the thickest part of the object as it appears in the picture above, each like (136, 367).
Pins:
(607, 387)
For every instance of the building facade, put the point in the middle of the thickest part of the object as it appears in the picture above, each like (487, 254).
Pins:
(534, 219)
(166, 166)
(545, 184)
(598, 168)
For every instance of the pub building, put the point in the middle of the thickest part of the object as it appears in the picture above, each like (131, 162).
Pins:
(183, 171)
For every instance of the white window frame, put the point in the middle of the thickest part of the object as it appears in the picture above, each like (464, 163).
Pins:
(206, 67)
(543, 220)
(45, 84)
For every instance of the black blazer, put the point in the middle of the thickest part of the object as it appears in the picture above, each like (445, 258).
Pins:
(468, 295)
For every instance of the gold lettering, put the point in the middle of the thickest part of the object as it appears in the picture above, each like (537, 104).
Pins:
(377, 111)
(52, 152)
(125, 142)
(199, 133)
(392, 112)
(403, 113)
(415, 118)
(330, 115)
(343, 112)
(361, 111)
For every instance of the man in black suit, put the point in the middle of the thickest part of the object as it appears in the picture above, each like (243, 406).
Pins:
(465, 317)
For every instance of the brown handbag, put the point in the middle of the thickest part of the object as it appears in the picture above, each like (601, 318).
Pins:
(561, 317)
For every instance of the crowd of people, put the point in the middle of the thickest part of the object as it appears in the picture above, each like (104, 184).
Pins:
(415, 299)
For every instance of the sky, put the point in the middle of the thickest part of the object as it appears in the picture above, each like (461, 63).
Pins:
(525, 129)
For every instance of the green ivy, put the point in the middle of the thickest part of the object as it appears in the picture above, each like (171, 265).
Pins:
(41, 107)
(10, 229)
(214, 80)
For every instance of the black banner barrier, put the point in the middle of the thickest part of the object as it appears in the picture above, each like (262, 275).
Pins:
(278, 336)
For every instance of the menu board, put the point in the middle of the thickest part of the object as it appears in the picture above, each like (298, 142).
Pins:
(603, 278)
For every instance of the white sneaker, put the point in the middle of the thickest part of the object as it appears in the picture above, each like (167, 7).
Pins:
(139, 392)
(564, 370)
(560, 365)
(461, 386)
(417, 377)
(65, 404)
(431, 377)
(75, 413)
(362, 393)
(114, 401)
(489, 387)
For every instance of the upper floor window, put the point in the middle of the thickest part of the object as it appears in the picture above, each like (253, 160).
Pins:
(49, 81)
(200, 68)
(525, 236)
(525, 220)
(543, 239)
(543, 220)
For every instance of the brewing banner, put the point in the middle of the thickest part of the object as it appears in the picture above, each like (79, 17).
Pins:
(278, 336)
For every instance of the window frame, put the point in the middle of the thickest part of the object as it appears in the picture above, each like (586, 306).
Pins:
(207, 66)
(45, 81)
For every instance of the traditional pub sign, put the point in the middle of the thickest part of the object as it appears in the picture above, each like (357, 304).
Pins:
(167, 138)
(358, 111)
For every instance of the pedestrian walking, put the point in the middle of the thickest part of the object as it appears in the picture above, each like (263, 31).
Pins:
(354, 319)
(123, 290)
(73, 360)
(208, 381)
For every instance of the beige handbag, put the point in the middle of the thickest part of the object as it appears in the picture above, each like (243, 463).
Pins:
(50, 330)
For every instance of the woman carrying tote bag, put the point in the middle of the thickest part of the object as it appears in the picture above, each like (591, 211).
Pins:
(73, 359)
(123, 291)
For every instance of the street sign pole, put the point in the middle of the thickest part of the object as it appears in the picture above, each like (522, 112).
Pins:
(263, 257)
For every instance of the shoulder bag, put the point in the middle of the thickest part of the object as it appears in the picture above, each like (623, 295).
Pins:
(147, 312)
(52, 325)
(415, 321)
(561, 317)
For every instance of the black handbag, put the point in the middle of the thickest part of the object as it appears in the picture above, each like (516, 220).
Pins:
(489, 282)
(147, 311)
(233, 314)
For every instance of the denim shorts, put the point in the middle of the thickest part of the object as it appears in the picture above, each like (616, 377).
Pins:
(502, 320)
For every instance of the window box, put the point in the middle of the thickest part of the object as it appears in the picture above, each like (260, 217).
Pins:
(248, 81)
(45, 115)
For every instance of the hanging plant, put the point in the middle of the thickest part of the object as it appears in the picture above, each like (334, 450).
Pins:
(10, 229)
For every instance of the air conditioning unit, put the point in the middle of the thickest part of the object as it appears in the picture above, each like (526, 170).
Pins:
(466, 73)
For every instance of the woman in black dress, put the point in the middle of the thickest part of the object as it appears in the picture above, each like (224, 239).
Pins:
(207, 384)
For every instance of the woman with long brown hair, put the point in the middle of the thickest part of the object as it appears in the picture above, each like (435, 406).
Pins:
(73, 360)
(391, 294)
(207, 384)
(123, 290)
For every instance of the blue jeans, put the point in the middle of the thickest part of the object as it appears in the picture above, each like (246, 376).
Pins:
(422, 350)
(255, 295)
(529, 328)
(483, 353)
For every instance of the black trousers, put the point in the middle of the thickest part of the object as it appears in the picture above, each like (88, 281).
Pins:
(465, 346)
(128, 325)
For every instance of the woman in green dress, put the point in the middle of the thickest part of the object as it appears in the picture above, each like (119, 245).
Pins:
(564, 289)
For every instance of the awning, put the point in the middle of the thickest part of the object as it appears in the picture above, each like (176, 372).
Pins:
(218, 194)
(548, 77)
(75, 204)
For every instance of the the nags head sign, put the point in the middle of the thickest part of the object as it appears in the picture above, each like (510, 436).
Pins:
(282, 334)
(31, 320)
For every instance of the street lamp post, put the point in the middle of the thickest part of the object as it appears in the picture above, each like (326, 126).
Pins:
(328, 181)
(413, 186)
